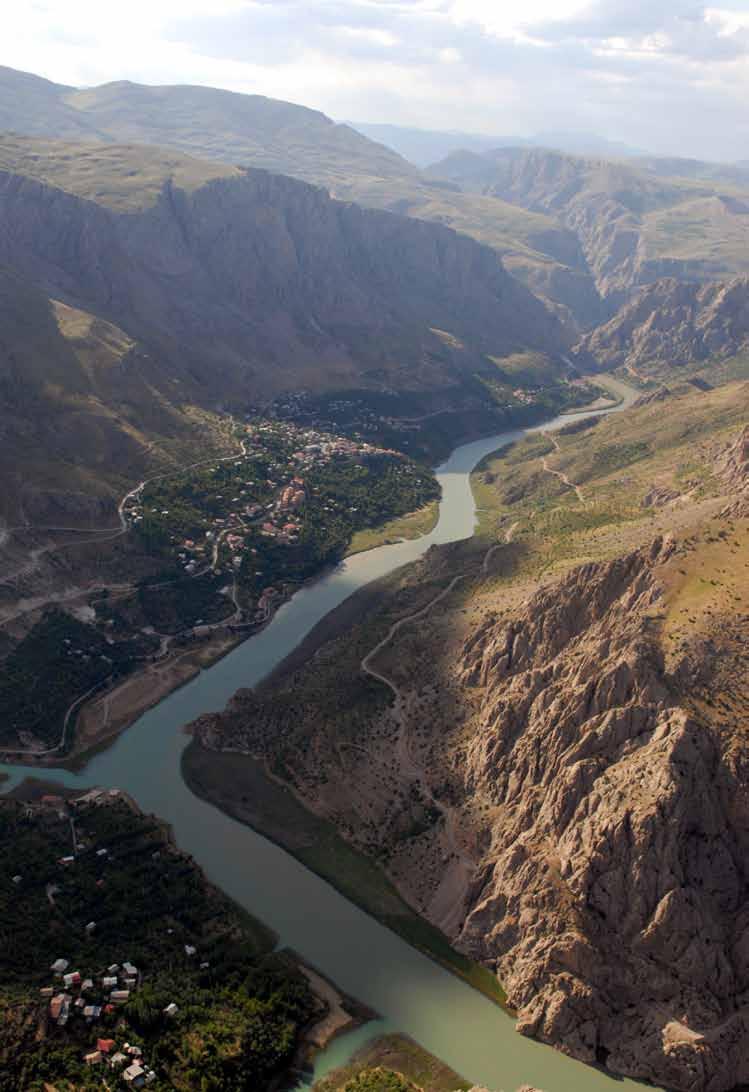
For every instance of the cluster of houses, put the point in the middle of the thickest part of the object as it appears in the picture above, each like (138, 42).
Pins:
(279, 518)
(300, 406)
(88, 997)
(91, 998)
(127, 1061)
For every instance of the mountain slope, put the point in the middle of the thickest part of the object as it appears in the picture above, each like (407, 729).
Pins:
(225, 287)
(633, 226)
(250, 130)
(675, 323)
(82, 407)
(551, 760)
(257, 273)
(204, 121)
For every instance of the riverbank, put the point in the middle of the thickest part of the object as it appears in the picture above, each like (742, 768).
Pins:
(411, 525)
(240, 786)
(399, 1055)
(47, 802)
(413, 993)
(97, 718)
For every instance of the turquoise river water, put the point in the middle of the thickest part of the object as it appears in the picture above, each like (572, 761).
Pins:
(411, 992)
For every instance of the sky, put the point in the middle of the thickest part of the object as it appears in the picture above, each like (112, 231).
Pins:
(668, 76)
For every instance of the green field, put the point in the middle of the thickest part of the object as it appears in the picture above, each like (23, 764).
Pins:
(412, 525)
(393, 1063)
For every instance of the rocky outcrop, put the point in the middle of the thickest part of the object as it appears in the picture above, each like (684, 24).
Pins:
(612, 898)
(634, 226)
(674, 323)
(254, 131)
(735, 463)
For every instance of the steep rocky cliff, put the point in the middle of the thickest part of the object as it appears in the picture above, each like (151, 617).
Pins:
(254, 131)
(259, 281)
(675, 323)
(612, 897)
(214, 287)
(634, 225)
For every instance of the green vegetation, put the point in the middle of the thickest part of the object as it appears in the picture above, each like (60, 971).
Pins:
(240, 1007)
(413, 525)
(617, 462)
(535, 379)
(272, 516)
(715, 373)
(56, 663)
(379, 1080)
(393, 1062)
(170, 605)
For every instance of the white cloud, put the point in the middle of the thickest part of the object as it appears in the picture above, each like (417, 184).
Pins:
(512, 19)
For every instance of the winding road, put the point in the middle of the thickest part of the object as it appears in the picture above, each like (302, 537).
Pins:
(558, 473)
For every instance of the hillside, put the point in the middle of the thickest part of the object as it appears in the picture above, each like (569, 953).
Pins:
(203, 121)
(633, 225)
(253, 131)
(82, 405)
(568, 719)
(200, 285)
(674, 323)
(580, 232)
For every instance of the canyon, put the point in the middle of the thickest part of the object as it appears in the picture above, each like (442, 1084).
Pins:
(529, 743)
(548, 761)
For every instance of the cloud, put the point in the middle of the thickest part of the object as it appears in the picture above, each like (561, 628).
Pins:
(671, 76)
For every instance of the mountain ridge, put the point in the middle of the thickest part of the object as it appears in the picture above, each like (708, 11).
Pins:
(674, 323)
(235, 285)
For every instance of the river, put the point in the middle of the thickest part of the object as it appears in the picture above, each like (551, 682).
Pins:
(411, 992)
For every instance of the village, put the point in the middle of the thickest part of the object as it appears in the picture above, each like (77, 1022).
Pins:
(111, 999)
(228, 518)
(96, 998)
(91, 997)
(85, 999)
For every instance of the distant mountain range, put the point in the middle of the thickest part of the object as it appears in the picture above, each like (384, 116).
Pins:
(635, 222)
(164, 274)
(423, 147)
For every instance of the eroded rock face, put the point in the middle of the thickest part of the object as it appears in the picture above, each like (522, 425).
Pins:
(612, 899)
(735, 463)
(674, 322)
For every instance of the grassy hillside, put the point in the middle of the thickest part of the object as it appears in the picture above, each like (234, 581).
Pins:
(124, 178)
(637, 473)
(85, 410)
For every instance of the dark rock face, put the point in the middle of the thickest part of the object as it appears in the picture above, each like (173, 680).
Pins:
(218, 291)
(265, 283)
(675, 323)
